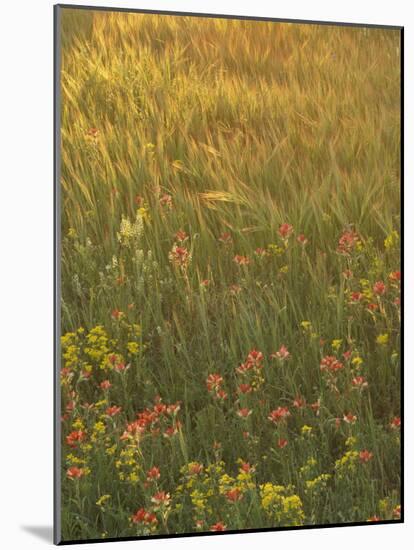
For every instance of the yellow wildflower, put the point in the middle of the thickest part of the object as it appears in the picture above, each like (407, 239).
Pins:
(336, 344)
(133, 348)
(102, 500)
(382, 339)
(306, 429)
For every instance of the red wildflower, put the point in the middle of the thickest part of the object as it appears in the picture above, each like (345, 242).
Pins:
(244, 412)
(120, 367)
(219, 526)
(161, 498)
(299, 402)
(142, 516)
(173, 408)
(214, 381)
(112, 411)
(172, 430)
(281, 443)
(160, 408)
(282, 354)
(395, 423)
(350, 418)
(331, 363)
(359, 382)
(347, 242)
(395, 276)
(179, 256)
(247, 468)
(241, 260)
(221, 394)
(356, 296)
(302, 239)
(225, 238)
(166, 200)
(379, 288)
(279, 414)
(86, 374)
(195, 468)
(365, 456)
(374, 519)
(116, 314)
(105, 385)
(234, 495)
(245, 388)
(244, 368)
(255, 357)
(396, 513)
(260, 252)
(285, 230)
(153, 473)
(181, 236)
(74, 472)
(75, 437)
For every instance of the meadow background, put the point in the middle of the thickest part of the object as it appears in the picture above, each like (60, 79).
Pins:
(230, 274)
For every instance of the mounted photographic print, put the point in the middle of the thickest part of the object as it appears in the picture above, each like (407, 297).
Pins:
(228, 272)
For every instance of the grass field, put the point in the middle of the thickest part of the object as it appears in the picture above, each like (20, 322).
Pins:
(230, 271)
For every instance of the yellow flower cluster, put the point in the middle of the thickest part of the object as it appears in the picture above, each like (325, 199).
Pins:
(346, 465)
(99, 429)
(357, 361)
(336, 344)
(128, 464)
(133, 348)
(392, 240)
(351, 442)
(97, 342)
(279, 502)
(306, 430)
(74, 460)
(318, 484)
(275, 249)
(96, 349)
(382, 339)
(366, 289)
(102, 501)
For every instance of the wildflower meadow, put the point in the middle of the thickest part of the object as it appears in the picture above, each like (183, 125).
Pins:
(230, 274)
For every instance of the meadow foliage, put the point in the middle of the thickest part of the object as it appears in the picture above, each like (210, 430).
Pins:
(230, 269)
